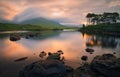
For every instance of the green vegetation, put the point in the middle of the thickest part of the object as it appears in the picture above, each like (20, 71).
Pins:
(14, 27)
(41, 22)
(112, 29)
(106, 23)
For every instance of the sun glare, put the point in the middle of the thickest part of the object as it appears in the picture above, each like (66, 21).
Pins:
(57, 14)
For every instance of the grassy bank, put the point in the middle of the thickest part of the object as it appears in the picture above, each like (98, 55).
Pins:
(16, 27)
(111, 29)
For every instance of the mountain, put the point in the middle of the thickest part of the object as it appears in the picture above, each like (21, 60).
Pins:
(40, 21)
(5, 21)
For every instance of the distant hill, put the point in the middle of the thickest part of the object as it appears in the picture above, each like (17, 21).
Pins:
(40, 21)
(5, 21)
(30, 24)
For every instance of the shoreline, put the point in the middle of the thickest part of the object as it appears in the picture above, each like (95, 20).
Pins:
(100, 32)
(102, 29)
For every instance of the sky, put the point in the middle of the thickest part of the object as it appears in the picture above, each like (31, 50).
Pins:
(62, 11)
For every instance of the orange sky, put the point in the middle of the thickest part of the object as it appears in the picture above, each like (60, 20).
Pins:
(63, 11)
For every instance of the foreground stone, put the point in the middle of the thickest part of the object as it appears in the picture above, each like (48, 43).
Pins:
(52, 66)
(85, 71)
(47, 68)
(106, 65)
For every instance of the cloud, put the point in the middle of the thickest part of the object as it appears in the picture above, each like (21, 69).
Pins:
(8, 10)
(114, 3)
(69, 11)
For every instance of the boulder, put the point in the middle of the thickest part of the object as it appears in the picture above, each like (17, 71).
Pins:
(107, 65)
(84, 71)
(46, 68)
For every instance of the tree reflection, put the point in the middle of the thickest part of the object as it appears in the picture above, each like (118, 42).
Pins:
(103, 41)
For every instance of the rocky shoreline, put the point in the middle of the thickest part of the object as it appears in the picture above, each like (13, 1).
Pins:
(106, 65)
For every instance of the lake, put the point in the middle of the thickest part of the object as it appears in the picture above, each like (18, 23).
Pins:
(72, 43)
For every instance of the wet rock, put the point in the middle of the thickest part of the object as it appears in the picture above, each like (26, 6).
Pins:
(55, 56)
(46, 68)
(21, 59)
(84, 71)
(26, 37)
(42, 54)
(70, 71)
(60, 52)
(89, 50)
(114, 52)
(107, 65)
(14, 37)
(32, 34)
(84, 58)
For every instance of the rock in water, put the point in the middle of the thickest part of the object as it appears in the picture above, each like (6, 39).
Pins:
(60, 52)
(107, 65)
(54, 56)
(84, 58)
(47, 68)
(14, 37)
(89, 50)
(21, 59)
(42, 54)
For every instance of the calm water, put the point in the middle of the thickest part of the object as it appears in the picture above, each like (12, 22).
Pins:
(72, 43)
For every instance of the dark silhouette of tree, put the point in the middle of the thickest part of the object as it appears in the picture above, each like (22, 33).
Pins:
(102, 18)
(115, 17)
(96, 19)
(90, 16)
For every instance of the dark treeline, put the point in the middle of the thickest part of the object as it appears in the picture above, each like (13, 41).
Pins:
(106, 17)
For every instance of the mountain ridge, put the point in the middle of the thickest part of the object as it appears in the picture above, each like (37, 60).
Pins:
(34, 21)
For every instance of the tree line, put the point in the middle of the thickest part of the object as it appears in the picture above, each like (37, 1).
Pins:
(106, 17)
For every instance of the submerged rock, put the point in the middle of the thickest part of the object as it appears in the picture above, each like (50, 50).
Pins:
(84, 58)
(89, 50)
(55, 56)
(42, 54)
(21, 59)
(14, 37)
(60, 52)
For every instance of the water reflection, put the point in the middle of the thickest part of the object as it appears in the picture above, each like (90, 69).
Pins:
(73, 44)
(103, 41)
